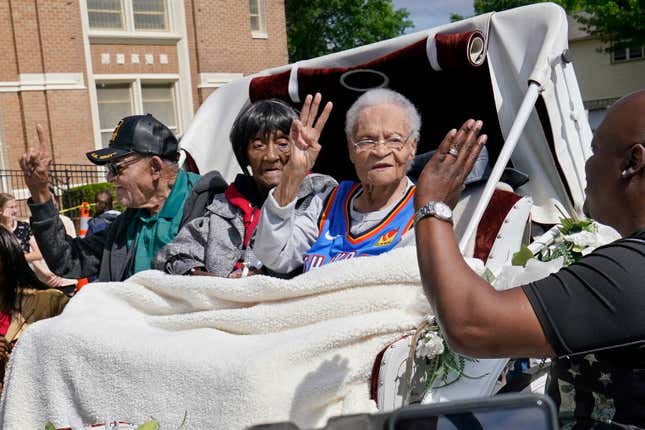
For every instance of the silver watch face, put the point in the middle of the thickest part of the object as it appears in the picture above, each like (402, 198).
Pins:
(443, 210)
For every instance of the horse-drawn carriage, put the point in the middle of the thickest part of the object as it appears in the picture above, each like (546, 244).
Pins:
(510, 69)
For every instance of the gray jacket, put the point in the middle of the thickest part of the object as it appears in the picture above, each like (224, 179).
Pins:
(214, 241)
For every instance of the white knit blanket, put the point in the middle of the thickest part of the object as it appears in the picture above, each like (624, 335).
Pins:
(228, 352)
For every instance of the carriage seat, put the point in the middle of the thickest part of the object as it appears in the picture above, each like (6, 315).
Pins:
(500, 234)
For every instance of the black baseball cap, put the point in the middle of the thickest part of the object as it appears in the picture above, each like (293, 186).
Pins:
(141, 134)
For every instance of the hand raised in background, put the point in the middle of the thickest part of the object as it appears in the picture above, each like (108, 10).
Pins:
(35, 167)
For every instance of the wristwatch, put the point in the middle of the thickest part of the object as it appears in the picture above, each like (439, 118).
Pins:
(439, 210)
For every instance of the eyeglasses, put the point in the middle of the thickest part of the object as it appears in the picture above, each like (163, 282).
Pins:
(115, 169)
(395, 142)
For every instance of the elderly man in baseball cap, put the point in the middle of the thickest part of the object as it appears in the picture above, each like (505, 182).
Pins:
(142, 163)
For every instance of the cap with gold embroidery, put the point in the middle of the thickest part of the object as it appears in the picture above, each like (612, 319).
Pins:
(143, 134)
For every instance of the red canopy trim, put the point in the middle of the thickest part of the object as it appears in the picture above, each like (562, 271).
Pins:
(445, 99)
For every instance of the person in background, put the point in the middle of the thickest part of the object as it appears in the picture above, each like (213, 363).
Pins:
(222, 242)
(142, 163)
(355, 219)
(23, 298)
(104, 214)
(22, 231)
(589, 315)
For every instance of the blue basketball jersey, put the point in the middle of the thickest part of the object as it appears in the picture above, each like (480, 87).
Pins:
(335, 241)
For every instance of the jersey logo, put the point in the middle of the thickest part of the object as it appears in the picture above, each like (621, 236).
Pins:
(387, 238)
(343, 256)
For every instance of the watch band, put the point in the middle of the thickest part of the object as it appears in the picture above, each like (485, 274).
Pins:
(429, 210)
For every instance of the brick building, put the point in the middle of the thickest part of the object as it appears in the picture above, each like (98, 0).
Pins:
(78, 66)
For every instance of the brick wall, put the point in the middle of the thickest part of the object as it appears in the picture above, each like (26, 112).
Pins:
(8, 65)
(48, 39)
(45, 36)
(221, 41)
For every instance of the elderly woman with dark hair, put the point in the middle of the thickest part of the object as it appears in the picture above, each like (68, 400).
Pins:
(356, 218)
(221, 243)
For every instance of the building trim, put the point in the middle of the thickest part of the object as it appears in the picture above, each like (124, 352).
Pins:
(133, 38)
(44, 82)
(259, 34)
(184, 87)
(91, 84)
(128, 77)
(216, 80)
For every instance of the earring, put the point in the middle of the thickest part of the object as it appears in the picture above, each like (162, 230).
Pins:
(623, 174)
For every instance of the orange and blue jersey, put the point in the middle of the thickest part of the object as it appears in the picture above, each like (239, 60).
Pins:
(336, 242)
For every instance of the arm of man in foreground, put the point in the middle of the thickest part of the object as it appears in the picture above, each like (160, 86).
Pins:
(65, 256)
(476, 319)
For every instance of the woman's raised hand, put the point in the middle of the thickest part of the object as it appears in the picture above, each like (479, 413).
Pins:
(442, 179)
(304, 134)
(303, 148)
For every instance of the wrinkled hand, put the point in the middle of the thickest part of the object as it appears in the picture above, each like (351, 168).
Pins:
(304, 134)
(35, 167)
(442, 179)
(251, 272)
(200, 271)
(54, 281)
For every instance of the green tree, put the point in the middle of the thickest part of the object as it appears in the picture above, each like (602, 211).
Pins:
(485, 6)
(318, 27)
(618, 23)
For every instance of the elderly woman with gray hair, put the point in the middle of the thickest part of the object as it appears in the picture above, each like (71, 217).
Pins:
(355, 218)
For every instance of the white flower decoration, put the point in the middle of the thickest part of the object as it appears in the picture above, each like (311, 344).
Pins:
(582, 239)
(430, 346)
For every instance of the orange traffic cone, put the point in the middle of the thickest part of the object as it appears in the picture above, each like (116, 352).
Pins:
(84, 225)
(85, 219)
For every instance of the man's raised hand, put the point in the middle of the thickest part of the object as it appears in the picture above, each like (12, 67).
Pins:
(35, 167)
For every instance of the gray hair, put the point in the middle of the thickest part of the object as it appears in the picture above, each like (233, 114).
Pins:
(383, 96)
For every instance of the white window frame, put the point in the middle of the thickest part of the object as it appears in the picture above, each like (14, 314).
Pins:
(627, 56)
(136, 82)
(129, 30)
(178, 36)
(261, 33)
(122, 13)
(132, 102)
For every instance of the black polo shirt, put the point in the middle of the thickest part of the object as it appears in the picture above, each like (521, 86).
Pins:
(593, 314)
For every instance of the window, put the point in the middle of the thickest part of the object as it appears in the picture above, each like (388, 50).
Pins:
(137, 97)
(115, 102)
(105, 14)
(128, 15)
(256, 13)
(159, 100)
(627, 54)
(149, 14)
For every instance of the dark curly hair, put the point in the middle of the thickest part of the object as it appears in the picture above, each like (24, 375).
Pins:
(15, 273)
(261, 118)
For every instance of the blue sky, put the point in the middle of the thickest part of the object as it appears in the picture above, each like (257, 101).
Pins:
(430, 13)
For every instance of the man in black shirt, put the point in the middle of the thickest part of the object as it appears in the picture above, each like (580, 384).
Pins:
(588, 315)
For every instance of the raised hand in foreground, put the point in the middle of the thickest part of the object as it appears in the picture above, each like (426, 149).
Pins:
(303, 147)
(442, 179)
